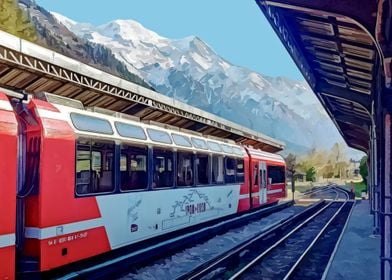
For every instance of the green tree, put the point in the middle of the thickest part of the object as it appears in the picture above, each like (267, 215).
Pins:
(363, 169)
(14, 20)
(311, 174)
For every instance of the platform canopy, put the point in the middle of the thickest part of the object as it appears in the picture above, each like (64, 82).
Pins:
(342, 49)
(27, 66)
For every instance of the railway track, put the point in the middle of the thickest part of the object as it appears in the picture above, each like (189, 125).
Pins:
(285, 251)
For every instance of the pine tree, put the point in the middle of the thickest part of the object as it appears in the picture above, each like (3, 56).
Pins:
(15, 21)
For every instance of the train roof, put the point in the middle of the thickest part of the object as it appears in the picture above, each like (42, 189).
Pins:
(265, 155)
(108, 125)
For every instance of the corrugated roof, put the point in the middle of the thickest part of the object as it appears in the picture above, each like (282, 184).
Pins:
(333, 45)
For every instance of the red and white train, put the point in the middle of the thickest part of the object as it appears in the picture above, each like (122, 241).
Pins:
(76, 183)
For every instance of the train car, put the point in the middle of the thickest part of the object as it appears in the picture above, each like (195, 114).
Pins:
(8, 187)
(268, 177)
(96, 182)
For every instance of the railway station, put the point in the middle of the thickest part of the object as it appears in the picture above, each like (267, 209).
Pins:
(178, 174)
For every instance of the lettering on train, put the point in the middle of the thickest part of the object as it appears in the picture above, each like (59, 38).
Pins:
(68, 238)
(195, 208)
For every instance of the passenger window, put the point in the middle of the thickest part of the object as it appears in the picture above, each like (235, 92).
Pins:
(94, 167)
(203, 169)
(184, 169)
(123, 163)
(181, 140)
(217, 169)
(91, 124)
(199, 143)
(133, 168)
(230, 168)
(130, 130)
(163, 168)
(276, 173)
(240, 171)
(214, 146)
(227, 149)
(159, 136)
(255, 175)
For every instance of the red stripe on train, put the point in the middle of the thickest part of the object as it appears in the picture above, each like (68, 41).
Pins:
(64, 249)
(7, 263)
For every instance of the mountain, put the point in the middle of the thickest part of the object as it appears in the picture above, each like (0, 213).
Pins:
(190, 70)
(56, 36)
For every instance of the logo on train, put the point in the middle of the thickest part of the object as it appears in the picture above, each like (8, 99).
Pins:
(191, 209)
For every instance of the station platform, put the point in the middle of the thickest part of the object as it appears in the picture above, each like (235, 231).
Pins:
(358, 254)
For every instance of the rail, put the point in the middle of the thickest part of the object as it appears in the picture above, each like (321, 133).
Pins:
(235, 253)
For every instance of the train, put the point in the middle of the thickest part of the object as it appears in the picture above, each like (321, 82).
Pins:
(77, 183)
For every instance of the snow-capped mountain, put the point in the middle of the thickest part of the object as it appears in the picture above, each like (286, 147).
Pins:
(188, 69)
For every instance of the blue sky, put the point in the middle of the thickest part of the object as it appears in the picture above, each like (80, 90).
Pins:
(236, 29)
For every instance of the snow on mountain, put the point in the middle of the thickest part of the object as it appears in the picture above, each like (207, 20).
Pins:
(67, 22)
(189, 70)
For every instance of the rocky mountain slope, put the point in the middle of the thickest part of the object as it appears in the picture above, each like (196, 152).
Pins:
(54, 35)
(188, 69)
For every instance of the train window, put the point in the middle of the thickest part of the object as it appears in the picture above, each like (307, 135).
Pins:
(181, 140)
(203, 169)
(123, 163)
(276, 173)
(184, 169)
(159, 136)
(109, 161)
(238, 151)
(214, 146)
(133, 168)
(240, 171)
(199, 143)
(227, 149)
(130, 131)
(255, 175)
(91, 124)
(217, 169)
(230, 167)
(163, 168)
(94, 167)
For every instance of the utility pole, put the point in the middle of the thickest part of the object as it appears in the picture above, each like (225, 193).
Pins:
(290, 166)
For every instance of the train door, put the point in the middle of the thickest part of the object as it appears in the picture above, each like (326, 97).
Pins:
(263, 182)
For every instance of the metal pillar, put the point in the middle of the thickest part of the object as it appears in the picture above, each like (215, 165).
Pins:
(385, 182)
(386, 214)
(373, 181)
